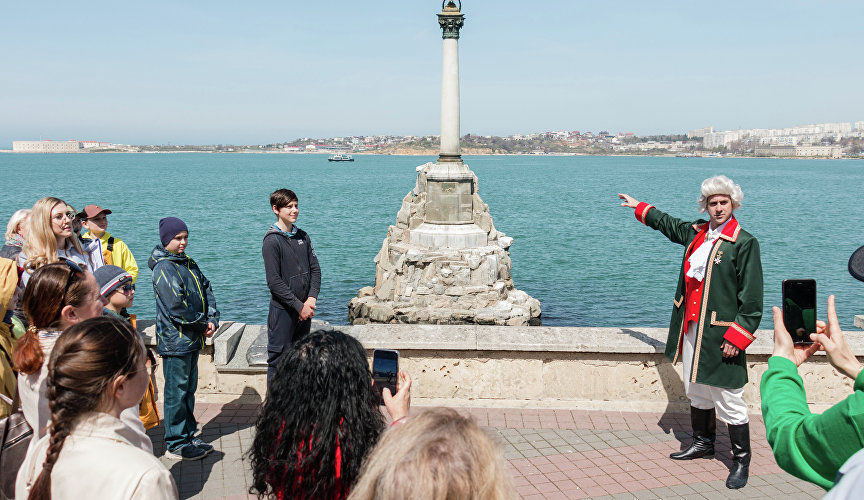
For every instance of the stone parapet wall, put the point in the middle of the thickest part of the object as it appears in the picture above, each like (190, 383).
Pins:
(567, 367)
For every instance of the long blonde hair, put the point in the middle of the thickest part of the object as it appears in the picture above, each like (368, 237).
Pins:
(435, 455)
(40, 247)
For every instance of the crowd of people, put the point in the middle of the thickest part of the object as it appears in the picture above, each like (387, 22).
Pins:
(72, 356)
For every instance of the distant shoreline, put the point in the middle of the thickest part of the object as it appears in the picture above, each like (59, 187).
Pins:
(406, 154)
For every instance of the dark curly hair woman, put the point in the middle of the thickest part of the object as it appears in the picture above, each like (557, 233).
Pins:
(320, 420)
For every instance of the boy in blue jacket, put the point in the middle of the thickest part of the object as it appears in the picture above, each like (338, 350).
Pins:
(185, 314)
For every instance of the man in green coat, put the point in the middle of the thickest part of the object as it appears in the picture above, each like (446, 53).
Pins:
(717, 308)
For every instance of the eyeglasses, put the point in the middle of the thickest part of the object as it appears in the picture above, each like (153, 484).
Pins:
(68, 215)
(128, 288)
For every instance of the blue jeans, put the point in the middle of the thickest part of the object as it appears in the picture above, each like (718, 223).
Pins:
(181, 381)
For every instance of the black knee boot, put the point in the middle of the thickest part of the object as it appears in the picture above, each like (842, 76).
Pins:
(704, 424)
(739, 436)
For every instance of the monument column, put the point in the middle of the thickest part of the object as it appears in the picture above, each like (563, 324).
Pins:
(443, 261)
(449, 184)
(451, 20)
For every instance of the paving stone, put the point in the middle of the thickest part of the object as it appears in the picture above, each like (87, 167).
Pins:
(631, 463)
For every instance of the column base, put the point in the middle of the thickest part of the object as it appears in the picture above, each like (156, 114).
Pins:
(448, 236)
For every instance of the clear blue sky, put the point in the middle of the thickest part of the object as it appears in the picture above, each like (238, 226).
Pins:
(259, 72)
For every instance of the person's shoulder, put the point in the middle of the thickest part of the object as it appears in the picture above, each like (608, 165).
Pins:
(116, 240)
(162, 265)
(745, 236)
(303, 235)
(271, 237)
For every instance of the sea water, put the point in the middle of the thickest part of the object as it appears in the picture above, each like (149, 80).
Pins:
(587, 259)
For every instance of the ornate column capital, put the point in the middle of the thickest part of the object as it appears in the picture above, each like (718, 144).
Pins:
(451, 19)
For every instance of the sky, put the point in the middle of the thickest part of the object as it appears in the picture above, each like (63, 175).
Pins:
(218, 72)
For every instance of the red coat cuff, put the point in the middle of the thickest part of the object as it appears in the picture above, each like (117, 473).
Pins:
(641, 211)
(738, 336)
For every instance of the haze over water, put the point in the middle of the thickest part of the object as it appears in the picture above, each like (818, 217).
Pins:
(587, 260)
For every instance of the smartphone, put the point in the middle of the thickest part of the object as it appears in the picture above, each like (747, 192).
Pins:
(385, 370)
(799, 309)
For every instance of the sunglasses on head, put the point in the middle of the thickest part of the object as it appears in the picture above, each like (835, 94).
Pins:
(74, 269)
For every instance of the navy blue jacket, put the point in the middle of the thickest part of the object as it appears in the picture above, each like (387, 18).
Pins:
(184, 302)
(291, 267)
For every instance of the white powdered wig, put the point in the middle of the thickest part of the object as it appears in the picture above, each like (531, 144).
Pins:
(17, 218)
(720, 184)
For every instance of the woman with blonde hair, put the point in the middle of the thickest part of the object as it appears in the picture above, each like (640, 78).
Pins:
(96, 373)
(50, 238)
(435, 455)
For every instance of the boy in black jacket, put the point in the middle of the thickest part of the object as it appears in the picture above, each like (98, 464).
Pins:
(293, 276)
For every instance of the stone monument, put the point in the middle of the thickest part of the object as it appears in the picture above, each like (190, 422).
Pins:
(444, 262)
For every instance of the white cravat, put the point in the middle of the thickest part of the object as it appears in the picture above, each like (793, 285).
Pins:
(699, 259)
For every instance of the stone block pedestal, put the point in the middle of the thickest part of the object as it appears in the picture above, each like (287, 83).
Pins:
(457, 273)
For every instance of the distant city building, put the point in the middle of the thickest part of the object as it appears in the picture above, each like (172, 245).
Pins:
(820, 151)
(700, 132)
(802, 134)
(713, 140)
(46, 146)
(783, 140)
(94, 144)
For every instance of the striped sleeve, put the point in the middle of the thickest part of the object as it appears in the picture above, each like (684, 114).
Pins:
(738, 336)
(641, 211)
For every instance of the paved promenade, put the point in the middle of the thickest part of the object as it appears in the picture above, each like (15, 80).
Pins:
(552, 454)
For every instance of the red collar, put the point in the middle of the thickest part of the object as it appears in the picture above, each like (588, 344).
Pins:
(730, 232)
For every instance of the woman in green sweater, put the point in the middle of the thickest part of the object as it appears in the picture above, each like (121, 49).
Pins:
(811, 446)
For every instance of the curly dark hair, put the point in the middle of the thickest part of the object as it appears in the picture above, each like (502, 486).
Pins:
(320, 420)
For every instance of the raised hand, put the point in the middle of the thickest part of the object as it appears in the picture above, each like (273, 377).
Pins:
(784, 347)
(397, 405)
(629, 201)
(835, 346)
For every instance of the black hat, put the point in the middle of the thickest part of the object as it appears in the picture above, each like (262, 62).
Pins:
(856, 264)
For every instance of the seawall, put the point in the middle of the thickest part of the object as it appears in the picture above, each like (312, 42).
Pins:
(516, 367)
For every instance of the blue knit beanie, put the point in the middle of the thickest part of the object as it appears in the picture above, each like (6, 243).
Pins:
(169, 227)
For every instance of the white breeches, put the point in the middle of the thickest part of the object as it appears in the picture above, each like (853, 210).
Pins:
(729, 402)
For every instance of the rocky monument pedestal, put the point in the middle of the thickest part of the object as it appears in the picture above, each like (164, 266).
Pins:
(444, 273)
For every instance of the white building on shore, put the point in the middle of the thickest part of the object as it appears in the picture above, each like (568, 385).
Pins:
(806, 151)
(46, 146)
(790, 136)
(700, 132)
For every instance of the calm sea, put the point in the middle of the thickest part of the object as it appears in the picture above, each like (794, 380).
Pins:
(586, 259)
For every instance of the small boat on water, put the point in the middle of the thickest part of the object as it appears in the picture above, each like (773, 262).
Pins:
(340, 158)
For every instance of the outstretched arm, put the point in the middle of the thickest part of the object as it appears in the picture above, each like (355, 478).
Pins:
(677, 230)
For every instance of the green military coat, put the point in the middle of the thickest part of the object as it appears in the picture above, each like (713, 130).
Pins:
(731, 302)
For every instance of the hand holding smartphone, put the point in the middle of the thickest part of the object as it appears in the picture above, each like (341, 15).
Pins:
(799, 309)
(385, 371)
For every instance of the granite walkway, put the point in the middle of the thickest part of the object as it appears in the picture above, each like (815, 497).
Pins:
(552, 454)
